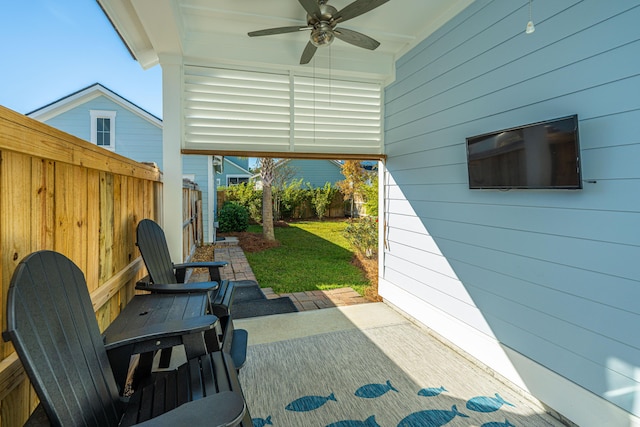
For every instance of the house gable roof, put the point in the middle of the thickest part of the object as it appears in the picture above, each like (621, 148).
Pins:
(88, 93)
(226, 159)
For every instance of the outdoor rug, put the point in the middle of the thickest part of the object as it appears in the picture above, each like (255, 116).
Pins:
(387, 376)
(246, 293)
(249, 301)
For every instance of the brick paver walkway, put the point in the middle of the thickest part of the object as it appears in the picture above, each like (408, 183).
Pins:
(313, 300)
(239, 269)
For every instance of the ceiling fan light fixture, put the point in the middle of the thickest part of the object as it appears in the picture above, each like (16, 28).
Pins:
(322, 35)
(530, 27)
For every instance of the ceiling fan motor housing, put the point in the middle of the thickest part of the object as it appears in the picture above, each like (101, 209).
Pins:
(326, 16)
(322, 33)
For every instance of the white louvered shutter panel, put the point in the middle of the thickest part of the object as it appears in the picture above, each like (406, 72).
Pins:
(236, 110)
(245, 111)
(337, 116)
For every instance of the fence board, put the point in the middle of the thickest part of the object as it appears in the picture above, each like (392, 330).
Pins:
(11, 374)
(15, 225)
(42, 220)
(106, 226)
(93, 228)
(16, 406)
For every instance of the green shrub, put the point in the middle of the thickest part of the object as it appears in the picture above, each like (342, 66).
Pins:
(370, 192)
(246, 195)
(362, 234)
(292, 199)
(321, 199)
(233, 217)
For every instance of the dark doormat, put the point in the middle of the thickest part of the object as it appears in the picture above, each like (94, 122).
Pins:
(262, 307)
(247, 293)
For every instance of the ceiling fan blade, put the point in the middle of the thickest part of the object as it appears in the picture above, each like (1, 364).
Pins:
(279, 30)
(356, 38)
(311, 6)
(308, 53)
(357, 8)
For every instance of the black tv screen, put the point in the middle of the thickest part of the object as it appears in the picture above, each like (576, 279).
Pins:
(540, 155)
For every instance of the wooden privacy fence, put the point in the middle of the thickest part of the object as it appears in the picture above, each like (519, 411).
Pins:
(62, 193)
(192, 229)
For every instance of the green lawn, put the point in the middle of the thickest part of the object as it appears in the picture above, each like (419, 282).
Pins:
(313, 255)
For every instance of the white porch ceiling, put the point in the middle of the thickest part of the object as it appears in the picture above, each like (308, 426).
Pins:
(214, 33)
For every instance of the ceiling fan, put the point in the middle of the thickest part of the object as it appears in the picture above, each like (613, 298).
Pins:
(322, 20)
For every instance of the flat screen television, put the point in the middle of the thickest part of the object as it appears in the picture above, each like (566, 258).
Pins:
(544, 155)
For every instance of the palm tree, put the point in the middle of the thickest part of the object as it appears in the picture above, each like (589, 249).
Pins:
(267, 173)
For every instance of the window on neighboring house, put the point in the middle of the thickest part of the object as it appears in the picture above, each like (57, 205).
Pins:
(103, 128)
(235, 180)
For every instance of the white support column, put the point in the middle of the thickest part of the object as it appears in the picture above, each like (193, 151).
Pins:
(382, 216)
(171, 155)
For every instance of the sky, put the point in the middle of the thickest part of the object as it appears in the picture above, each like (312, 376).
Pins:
(52, 48)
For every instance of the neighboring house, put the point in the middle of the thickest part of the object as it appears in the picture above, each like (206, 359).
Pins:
(103, 117)
(236, 171)
(315, 172)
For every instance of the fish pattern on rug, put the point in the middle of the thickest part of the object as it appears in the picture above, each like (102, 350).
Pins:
(431, 391)
(424, 418)
(506, 423)
(261, 422)
(369, 422)
(371, 391)
(348, 379)
(309, 403)
(431, 418)
(486, 403)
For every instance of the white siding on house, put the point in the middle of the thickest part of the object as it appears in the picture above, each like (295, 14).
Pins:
(550, 277)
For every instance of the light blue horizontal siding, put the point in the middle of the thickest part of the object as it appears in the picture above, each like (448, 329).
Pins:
(76, 122)
(315, 172)
(136, 138)
(554, 275)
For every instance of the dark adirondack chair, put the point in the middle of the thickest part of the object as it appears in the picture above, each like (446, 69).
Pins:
(165, 276)
(51, 323)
